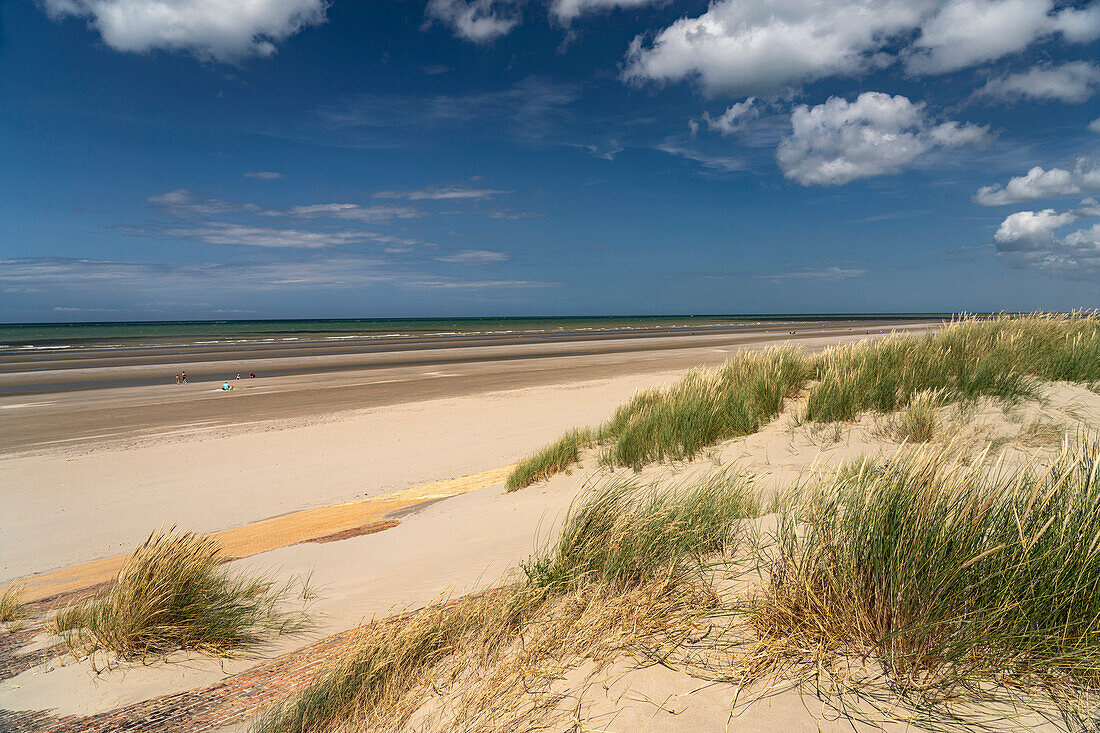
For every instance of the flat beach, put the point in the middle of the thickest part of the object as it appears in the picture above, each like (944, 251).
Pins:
(87, 473)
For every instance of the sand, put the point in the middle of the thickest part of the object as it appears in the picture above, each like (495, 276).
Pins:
(142, 458)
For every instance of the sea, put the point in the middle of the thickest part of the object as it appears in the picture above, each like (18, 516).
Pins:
(105, 335)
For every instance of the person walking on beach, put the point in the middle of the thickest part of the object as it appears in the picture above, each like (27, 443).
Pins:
(177, 377)
(183, 378)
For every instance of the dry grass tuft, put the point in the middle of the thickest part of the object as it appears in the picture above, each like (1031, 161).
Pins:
(623, 575)
(918, 421)
(173, 593)
(12, 608)
(960, 582)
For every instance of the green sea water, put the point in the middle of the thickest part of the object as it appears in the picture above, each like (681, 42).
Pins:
(105, 334)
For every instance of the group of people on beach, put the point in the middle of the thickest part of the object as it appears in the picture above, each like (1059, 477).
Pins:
(226, 386)
(181, 378)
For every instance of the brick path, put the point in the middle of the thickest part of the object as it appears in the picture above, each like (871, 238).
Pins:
(232, 700)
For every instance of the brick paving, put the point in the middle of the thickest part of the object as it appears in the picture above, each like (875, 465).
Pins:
(12, 662)
(232, 700)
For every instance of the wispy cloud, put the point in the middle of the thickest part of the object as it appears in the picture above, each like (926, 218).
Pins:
(263, 175)
(725, 163)
(354, 212)
(823, 274)
(182, 203)
(478, 284)
(249, 236)
(533, 109)
(441, 193)
(475, 257)
(313, 270)
(508, 214)
(891, 215)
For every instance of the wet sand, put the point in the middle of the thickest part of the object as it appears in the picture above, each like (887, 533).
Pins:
(81, 398)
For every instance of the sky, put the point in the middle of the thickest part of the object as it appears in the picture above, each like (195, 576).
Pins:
(190, 159)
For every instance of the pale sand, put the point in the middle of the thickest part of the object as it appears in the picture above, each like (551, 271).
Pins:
(63, 509)
(282, 531)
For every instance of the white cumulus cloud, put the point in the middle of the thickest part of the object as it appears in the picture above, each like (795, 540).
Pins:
(968, 32)
(877, 134)
(1029, 239)
(1030, 229)
(762, 47)
(1088, 207)
(225, 30)
(1074, 82)
(478, 21)
(1040, 183)
(767, 46)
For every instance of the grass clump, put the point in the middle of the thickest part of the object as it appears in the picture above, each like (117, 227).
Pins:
(971, 358)
(1040, 432)
(623, 561)
(12, 608)
(173, 593)
(623, 534)
(704, 408)
(918, 421)
(551, 460)
(953, 577)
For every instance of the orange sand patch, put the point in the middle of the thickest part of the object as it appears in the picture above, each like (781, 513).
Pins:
(276, 532)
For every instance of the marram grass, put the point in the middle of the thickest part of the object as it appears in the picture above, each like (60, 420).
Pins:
(173, 593)
(624, 551)
(551, 460)
(622, 534)
(953, 576)
(971, 358)
(12, 608)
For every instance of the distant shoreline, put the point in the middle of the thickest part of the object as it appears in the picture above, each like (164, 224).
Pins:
(80, 398)
(43, 370)
(120, 334)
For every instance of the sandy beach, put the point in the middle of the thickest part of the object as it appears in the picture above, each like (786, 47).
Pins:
(88, 473)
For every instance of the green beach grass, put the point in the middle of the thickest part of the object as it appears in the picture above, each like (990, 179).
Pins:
(1001, 357)
(174, 593)
(12, 608)
(952, 576)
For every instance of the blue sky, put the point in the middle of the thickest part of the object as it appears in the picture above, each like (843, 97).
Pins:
(301, 158)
